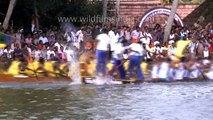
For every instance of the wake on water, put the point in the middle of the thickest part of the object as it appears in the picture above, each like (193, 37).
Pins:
(102, 80)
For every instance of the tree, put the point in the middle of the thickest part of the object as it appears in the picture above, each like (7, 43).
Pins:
(48, 12)
(105, 3)
(36, 14)
(170, 20)
(117, 12)
(9, 13)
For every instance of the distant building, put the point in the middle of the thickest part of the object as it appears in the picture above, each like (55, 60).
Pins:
(131, 11)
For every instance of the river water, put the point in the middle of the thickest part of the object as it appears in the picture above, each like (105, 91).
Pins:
(148, 101)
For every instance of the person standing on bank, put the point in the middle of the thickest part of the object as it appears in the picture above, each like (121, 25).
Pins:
(103, 47)
(136, 53)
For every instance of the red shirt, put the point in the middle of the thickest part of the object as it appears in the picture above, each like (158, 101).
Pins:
(211, 47)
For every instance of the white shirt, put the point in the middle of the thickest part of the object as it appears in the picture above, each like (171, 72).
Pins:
(146, 38)
(68, 37)
(37, 54)
(57, 45)
(172, 50)
(113, 41)
(49, 52)
(43, 39)
(80, 36)
(179, 72)
(195, 71)
(8, 52)
(143, 37)
(209, 74)
(154, 72)
(119, 50)
(171, 36)
(69, 54)
(164, 70)
(136, 47)
(156, 50)
(103, 42)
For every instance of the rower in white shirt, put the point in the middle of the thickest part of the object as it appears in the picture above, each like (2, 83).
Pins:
(136, 53)
(180, 71)
(155, 70)
(195, 70)
(113, 42)
(118, 59)
(209, 74)
(163, 72)
(102, 50)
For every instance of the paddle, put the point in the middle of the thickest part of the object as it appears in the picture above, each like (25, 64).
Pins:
(114, 69)
(29, 60)
(204, 76)
(35, 72)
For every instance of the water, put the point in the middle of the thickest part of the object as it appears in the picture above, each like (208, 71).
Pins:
(148, 101)
(71, 49)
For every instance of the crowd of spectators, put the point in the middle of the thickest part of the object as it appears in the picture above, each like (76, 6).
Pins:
(50, 44)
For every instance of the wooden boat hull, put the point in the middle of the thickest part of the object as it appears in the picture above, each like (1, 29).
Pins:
(21, 78)
(134, 81)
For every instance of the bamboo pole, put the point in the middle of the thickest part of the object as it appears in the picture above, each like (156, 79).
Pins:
(9, 13)
(170, 20)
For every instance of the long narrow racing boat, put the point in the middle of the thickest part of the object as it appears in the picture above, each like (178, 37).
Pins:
(23, 78)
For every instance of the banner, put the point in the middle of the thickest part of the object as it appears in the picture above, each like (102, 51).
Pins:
(4, 40)
(160, 11)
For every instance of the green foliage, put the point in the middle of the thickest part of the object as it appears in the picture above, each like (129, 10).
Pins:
(49, 11)
(65, 8)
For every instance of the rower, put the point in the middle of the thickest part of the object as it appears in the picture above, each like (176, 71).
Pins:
(155, 69)
(163, 72)
(180, 71)
(195, 70)
(103, 47)
(209, 74)
(136, 53)
(14, 68)
(118, 58)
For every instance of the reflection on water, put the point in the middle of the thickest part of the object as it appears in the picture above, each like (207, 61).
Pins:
(149, 101)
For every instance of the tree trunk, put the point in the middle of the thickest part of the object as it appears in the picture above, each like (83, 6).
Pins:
(105, 3)
(170, 20)
(9, 13)
(36, 14)
(117, 7)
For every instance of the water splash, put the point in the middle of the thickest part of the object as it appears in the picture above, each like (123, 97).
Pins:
(72, 54)
(67, 27)
(74, 68)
